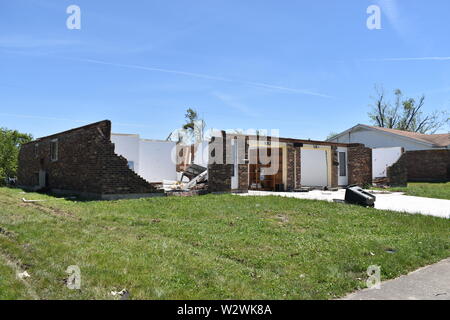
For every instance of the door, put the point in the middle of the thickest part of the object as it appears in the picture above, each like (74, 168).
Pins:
(314, 168)
(343, 167)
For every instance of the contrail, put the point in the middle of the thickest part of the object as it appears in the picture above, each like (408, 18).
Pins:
(30, 116)
(184, 73)
(411, 59)
(202, 76)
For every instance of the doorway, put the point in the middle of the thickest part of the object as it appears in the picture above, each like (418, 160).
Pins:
(265, 176)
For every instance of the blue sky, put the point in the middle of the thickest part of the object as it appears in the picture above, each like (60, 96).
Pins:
(307, 68)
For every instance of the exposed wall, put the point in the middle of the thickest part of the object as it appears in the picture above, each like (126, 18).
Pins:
(86, 164)
(382, 158)
(201, 157)
(127, 146)
(157, 160)
(428, 165)
(397, 173)
(153, 160)
(359, 165)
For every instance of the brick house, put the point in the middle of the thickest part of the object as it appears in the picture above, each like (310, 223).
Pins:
(80, 161)
(237, 164)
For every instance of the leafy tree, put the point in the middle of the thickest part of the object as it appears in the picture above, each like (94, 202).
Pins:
(192, 131)
(331, 135)
(405, 114)
(194, 126)
(191, 117)
(10, 142)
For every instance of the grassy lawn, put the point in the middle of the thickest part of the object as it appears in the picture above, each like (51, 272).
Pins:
(427, 190)
(210, 247)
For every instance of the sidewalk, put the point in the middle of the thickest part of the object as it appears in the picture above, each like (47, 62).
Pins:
(429, 283)
(390, 201)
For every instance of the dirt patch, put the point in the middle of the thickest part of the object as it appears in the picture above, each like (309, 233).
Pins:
(282, 218)
(19, 268)
(8, 234)
(49, 210)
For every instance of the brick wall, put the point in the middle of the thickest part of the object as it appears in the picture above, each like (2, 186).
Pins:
(359, 165)
(428, 165)
(397, 174)
(290, 175)
(86, 164)
(298, 170)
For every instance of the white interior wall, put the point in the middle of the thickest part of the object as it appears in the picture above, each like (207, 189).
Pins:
(153, 160)
(382, 158)
(156, 160)
(128, 147)
(201, 156)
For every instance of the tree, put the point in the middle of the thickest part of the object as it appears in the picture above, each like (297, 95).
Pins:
(331, 135)
(10, 142)
(405, 114)
(192, 131)
(194, 126)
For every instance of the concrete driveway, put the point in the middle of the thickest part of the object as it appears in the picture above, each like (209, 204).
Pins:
(385, 201)
(429, 283)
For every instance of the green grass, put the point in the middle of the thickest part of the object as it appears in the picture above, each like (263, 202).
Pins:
(210, 247)
(427, 190)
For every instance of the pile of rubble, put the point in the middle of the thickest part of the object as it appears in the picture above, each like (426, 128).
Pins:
(194, 181)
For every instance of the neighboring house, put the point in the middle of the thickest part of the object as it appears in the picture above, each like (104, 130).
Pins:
(427, 156)
(376, 137)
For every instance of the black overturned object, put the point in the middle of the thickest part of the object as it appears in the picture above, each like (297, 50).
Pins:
(357, 195)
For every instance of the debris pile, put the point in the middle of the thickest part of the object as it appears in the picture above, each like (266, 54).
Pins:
(197, 184)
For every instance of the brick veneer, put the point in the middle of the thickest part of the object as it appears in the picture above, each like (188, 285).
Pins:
(359, 165)
(428, 165)
(86, 164)
(397, 174)
(290, 176)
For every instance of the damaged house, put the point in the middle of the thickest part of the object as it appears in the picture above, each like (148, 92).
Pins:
(93, 163)
(81, 161)
(242, 163)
